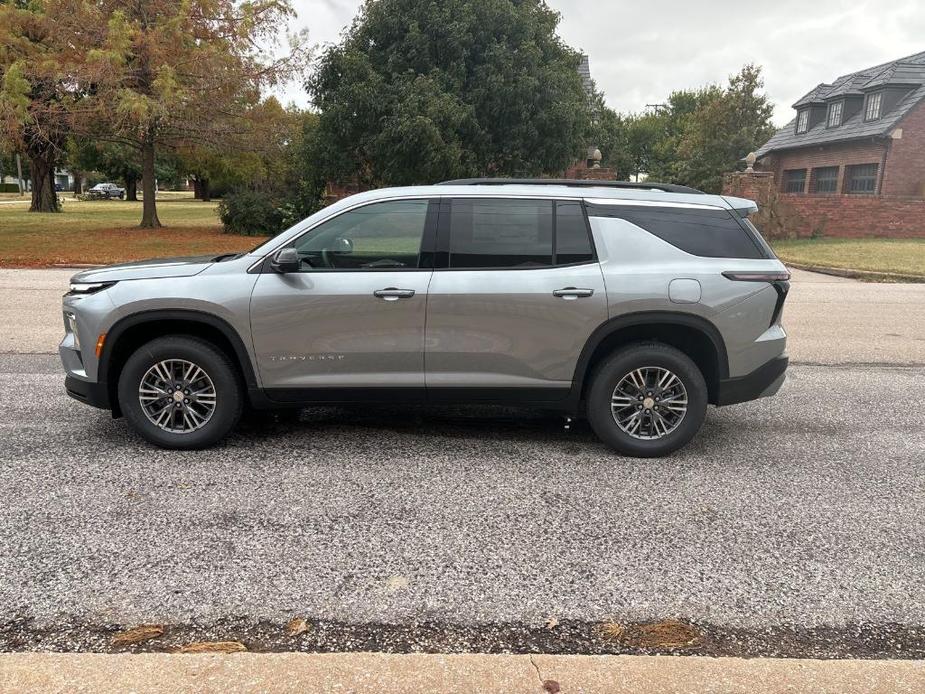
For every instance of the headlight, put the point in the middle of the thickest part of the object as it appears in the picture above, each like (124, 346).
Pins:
(70, 322)
(83, 288)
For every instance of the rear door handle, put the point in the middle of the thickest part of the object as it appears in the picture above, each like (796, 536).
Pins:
(570, 293)
(393, 294)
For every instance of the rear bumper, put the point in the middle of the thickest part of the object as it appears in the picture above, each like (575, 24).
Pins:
(94, 394)
(764, 381)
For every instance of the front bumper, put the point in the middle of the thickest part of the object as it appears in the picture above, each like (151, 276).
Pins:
(94, 394)
(763, 382)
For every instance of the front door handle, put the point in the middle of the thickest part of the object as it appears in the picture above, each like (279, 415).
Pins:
(393, 294)
(571, 293)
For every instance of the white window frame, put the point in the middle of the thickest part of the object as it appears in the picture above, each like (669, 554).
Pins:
(871, 98)
(802, 121)
(836, 109)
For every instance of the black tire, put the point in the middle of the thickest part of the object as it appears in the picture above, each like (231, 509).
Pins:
(621, 363)
(229, 397)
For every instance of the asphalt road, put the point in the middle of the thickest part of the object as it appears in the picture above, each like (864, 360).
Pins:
(795, 523)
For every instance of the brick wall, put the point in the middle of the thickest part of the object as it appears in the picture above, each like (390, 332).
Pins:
(904, 174)
(843, 216)
(854, 216)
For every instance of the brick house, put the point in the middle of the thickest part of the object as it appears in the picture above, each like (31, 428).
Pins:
(852, 161)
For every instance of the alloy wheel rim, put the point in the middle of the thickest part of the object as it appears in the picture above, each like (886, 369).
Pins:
(649, 403)
(177, 396)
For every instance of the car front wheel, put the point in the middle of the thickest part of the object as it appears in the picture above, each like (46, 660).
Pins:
(647, 400)
(180, 392)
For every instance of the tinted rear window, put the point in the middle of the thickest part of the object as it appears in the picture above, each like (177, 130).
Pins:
(500, 233)
(706, 232)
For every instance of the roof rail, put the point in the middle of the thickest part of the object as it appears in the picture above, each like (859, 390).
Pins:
(646, 185)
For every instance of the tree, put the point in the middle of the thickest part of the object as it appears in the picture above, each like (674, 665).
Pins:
(725, 130)
(418, 91)
(182, 74)
(37, 55)
(706, 132)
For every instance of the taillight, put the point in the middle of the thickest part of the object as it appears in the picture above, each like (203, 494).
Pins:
(779, 280)
(757, 276)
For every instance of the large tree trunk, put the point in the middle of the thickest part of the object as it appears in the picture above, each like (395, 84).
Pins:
(78, 182)
(149, 218)
(204, 193)
(197, 189)
(131, 189)
(44, 197)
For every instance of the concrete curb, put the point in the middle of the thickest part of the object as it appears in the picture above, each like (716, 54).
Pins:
(867, 275)
(380, 672)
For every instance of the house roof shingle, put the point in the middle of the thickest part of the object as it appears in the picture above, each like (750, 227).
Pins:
(908, 71)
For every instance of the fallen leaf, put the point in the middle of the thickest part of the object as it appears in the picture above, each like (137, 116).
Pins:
(139, 634)
(297, 626)
(552, 623)
(213, 647)
(667, 634)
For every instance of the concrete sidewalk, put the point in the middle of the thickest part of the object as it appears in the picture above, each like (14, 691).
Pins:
(379, 672)
(822, 317)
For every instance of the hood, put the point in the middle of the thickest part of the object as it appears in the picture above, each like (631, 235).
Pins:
(147, 269)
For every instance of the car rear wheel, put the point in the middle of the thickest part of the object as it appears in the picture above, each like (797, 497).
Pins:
(180, 392)
(647, 400)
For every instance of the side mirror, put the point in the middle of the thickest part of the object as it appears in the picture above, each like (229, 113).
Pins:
(286, 260)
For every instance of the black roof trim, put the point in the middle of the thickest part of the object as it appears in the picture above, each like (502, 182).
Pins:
(664, 187)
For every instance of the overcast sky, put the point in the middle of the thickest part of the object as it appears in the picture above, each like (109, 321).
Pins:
(641, 50)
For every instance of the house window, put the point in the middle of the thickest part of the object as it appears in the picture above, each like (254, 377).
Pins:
(874, 101)
(795, 181)
(835, 110)
(861, 179)
(802, 121)
(825, 180)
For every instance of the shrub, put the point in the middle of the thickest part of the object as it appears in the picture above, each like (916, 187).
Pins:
(250, 213)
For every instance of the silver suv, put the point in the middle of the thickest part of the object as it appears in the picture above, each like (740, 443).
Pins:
(635, 305)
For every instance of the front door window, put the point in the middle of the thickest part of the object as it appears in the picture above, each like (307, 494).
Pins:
(382, 236)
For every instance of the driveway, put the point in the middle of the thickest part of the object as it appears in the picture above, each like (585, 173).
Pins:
(791, 526)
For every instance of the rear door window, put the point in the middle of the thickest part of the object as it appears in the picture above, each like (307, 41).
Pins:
(497, 233)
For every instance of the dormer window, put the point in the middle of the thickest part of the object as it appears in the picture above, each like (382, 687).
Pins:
(834, 117)
(802, 121)
(874, 102)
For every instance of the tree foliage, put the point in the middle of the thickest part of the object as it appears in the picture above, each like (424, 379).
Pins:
(696, 137)
(38, 58)
(422, 90)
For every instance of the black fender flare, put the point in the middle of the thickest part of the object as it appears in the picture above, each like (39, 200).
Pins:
(641, 318)
(189, 315)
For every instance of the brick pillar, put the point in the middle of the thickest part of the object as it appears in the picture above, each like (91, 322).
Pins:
(588, 174)
(753, 185)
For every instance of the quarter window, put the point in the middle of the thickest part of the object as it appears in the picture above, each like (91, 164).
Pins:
(874, 102)
(706, 232)
(802, 121)
(501, 233)
(795, 181)
(825, 179)
(381, 236)
(835, 110)
(861, 179)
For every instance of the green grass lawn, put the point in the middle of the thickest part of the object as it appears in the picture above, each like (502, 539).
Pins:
(106, 231)
(900, 256)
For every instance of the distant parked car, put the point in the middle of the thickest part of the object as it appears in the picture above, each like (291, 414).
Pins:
(108, 190)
